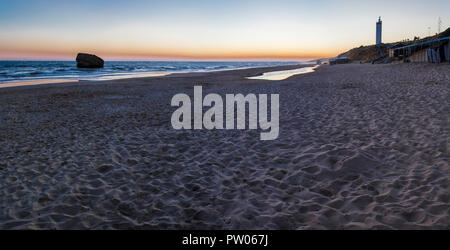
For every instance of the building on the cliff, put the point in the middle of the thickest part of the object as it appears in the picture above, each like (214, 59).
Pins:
(379, 31)
(434, 51)
(339, 60)
(392, 49)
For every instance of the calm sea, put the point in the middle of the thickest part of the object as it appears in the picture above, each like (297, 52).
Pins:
(20, 71)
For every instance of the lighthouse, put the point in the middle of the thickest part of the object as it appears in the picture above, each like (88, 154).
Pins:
(379, 31)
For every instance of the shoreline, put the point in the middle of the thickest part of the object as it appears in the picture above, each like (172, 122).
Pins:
(146, 75)
(118, 76)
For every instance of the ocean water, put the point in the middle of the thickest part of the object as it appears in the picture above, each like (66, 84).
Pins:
(22, 71)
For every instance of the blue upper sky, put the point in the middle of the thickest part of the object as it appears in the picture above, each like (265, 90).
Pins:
(206, 28)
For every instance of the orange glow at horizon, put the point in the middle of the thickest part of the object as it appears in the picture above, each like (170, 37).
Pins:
(125, 43)
(166, 54)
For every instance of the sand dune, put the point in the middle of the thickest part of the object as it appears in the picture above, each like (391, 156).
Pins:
(360, 147)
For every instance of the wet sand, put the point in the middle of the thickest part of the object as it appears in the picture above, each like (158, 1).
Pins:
(360, 147)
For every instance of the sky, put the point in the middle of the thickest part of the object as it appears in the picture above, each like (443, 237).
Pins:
(207, 29)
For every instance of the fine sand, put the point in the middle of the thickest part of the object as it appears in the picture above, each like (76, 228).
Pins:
(360, 147)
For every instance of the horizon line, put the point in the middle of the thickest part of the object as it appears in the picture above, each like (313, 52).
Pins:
(168, 60)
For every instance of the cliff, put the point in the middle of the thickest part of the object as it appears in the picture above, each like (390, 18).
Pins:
(372, 53)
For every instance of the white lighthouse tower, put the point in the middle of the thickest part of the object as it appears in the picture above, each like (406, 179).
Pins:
(379, 31)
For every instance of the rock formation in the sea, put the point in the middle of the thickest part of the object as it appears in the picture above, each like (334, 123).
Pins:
(89, 61)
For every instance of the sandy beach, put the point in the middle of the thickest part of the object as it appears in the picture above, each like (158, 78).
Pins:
(361, 146)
